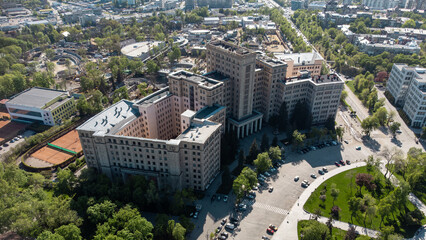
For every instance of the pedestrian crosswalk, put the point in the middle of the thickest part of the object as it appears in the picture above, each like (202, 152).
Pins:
(270, 208)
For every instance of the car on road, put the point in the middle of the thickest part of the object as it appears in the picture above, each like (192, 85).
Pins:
(271, 189)
(325, 169)
(230, 226)
(273, 227)
(313, 176)
(348, 162)
(342, 162)
(320, 171)
(337, 164)
(296, 178)
(358, 148)
(225, 198)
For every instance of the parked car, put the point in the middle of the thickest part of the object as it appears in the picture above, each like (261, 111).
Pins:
(313, 176)
(12, 141)
(320, 171)
(230, 226)
(225, 234)
(270, 231)
(265, 238)
(195, 215)
(225, 198)
(273, 227)
(325, 169)
(337, 164)
(348, 162)
(267, 174)
(6, 145)
(223, 221)
(296, 178)
(358, 148)
(242, 207)
(342, 162)
(306, 182)
(271, 189)
(218, 197)
(346, 142)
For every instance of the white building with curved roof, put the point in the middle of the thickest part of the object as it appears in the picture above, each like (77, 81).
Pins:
(141, 49)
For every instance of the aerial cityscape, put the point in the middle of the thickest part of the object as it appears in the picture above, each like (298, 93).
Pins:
(213, 119)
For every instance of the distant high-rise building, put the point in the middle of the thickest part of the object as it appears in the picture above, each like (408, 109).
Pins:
(407, 85)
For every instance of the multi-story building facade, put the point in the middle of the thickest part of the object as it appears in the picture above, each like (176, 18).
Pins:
(299, 62)
(321, 93)
(269, 73)
(239, 65)
(407, 85)
(380, 4)
(156, 138)
(42, 105)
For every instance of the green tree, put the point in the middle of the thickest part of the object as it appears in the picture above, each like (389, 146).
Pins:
(275, 153)
(263, 162)
(69, 232)
(264, 145)
(339, 133)
(48, 235)
(298, 139)
(382, 116)
(174, 54)
(254, 150)
(250, 175)
(343, 96)
(409, 24)
(101, 212)
(369, 124)
(152, 67)
(394, 127)
(283, 117)
(334, 192)
(240, 186)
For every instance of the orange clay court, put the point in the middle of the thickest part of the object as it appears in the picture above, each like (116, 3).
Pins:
(69, 141)
(51, 155)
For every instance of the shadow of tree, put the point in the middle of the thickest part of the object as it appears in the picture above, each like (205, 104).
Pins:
(371, 143)
(396, 142)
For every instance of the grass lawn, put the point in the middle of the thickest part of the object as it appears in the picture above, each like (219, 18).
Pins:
(345, 182)
(350, 84)
(338, 234)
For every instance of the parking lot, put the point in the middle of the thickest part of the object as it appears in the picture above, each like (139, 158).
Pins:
(10, 145)
(272, 207)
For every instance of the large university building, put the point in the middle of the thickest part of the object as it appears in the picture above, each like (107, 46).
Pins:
(173, 135)
(407, 85)
(41, 105)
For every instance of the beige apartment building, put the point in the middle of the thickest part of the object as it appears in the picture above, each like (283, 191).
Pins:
(171, 136)
(269, 73)
(322, 93)
(238, 64)
(299, 62)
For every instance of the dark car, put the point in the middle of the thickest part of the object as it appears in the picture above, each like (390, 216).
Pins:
(270, 231)
(5, 145)
(337, 164)
(342, 162)
(225, 234)
(348, 162)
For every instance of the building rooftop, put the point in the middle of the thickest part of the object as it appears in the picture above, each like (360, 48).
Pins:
(199, 131)
(317, 80)
(116, 115)
(299, 58)
(270, 61)
(206, 112)
(231, 47)
(37, 97)
(152, 98)
(195, 78)
(139, 48)
(216, 76)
